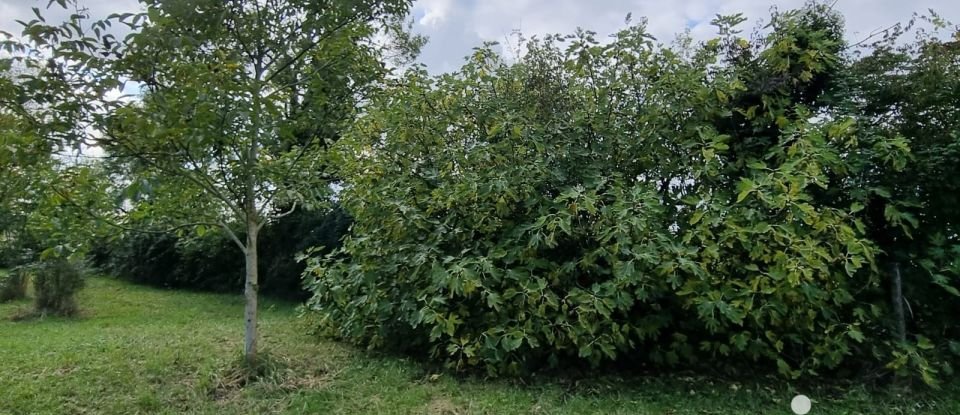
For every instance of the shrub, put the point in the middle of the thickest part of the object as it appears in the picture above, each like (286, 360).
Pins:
(209, 263)
(7, 254)
(625, 201)
(212, 262)
(140, 257)
(56, 283)
(13, 285)
(281, 242)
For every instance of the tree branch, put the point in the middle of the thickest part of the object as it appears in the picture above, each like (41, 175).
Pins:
(178, 172)
(292, 209)
(233, 236)
(111, 223)
(296, 57)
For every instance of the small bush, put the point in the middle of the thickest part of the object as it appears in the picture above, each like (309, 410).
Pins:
(57, 283)
(6, 257)
(13, 286)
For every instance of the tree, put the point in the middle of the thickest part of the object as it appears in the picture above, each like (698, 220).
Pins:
(23, 156)
(45, 197)
(905, 96)
(238, 98)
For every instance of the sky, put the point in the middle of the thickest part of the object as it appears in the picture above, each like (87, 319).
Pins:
(454, 27)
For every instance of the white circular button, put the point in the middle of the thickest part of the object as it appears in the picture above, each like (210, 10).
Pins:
(800, 405)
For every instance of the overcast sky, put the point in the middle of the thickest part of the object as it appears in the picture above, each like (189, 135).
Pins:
(456, 26)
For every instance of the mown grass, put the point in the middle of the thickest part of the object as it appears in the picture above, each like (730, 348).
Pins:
(142, 350)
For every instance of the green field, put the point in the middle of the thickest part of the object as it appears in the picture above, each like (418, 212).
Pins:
(144, 350)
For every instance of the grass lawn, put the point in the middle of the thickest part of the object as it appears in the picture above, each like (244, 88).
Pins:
(144, 350)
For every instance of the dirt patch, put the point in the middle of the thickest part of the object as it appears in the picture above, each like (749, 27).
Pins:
(309, 381)
(443, 406)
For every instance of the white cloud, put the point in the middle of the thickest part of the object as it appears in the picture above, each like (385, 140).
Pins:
(435, 11)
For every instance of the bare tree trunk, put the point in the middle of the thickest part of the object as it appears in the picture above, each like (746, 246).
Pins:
(250, 292)
(896, 298)
(251, 288)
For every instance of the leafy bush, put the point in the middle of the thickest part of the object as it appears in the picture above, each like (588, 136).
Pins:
(13, 285)
(281, 242)
(907, 91)
(7, 256)
(56, 283)
(212, 262)
(139, 257)
(622, 201)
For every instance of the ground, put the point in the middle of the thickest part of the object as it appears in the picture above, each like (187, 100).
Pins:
(144, 350)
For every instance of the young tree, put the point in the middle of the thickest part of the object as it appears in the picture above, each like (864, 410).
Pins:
(43, 234)
(238, 99)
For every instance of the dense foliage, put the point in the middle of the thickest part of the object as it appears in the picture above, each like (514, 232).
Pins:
(909, 91)
(13, 285)
(664, 204)
(56, 283)
(211, 261)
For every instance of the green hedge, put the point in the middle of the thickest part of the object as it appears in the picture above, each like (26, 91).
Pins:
(13, 285)
(213, 262)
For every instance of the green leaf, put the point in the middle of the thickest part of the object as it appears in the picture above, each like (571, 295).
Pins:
(745, 187)
(697, 216)
(954, 347)
(708, 153)
(879, 191)
(784, 368)
(924, 343)
(512, 341)
(757, 165)
(855, 334)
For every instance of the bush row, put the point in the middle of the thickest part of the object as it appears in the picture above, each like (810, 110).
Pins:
(212, 261)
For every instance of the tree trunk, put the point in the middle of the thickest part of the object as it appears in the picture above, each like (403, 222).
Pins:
(250, 292)
(251, 288)
(896, 299)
